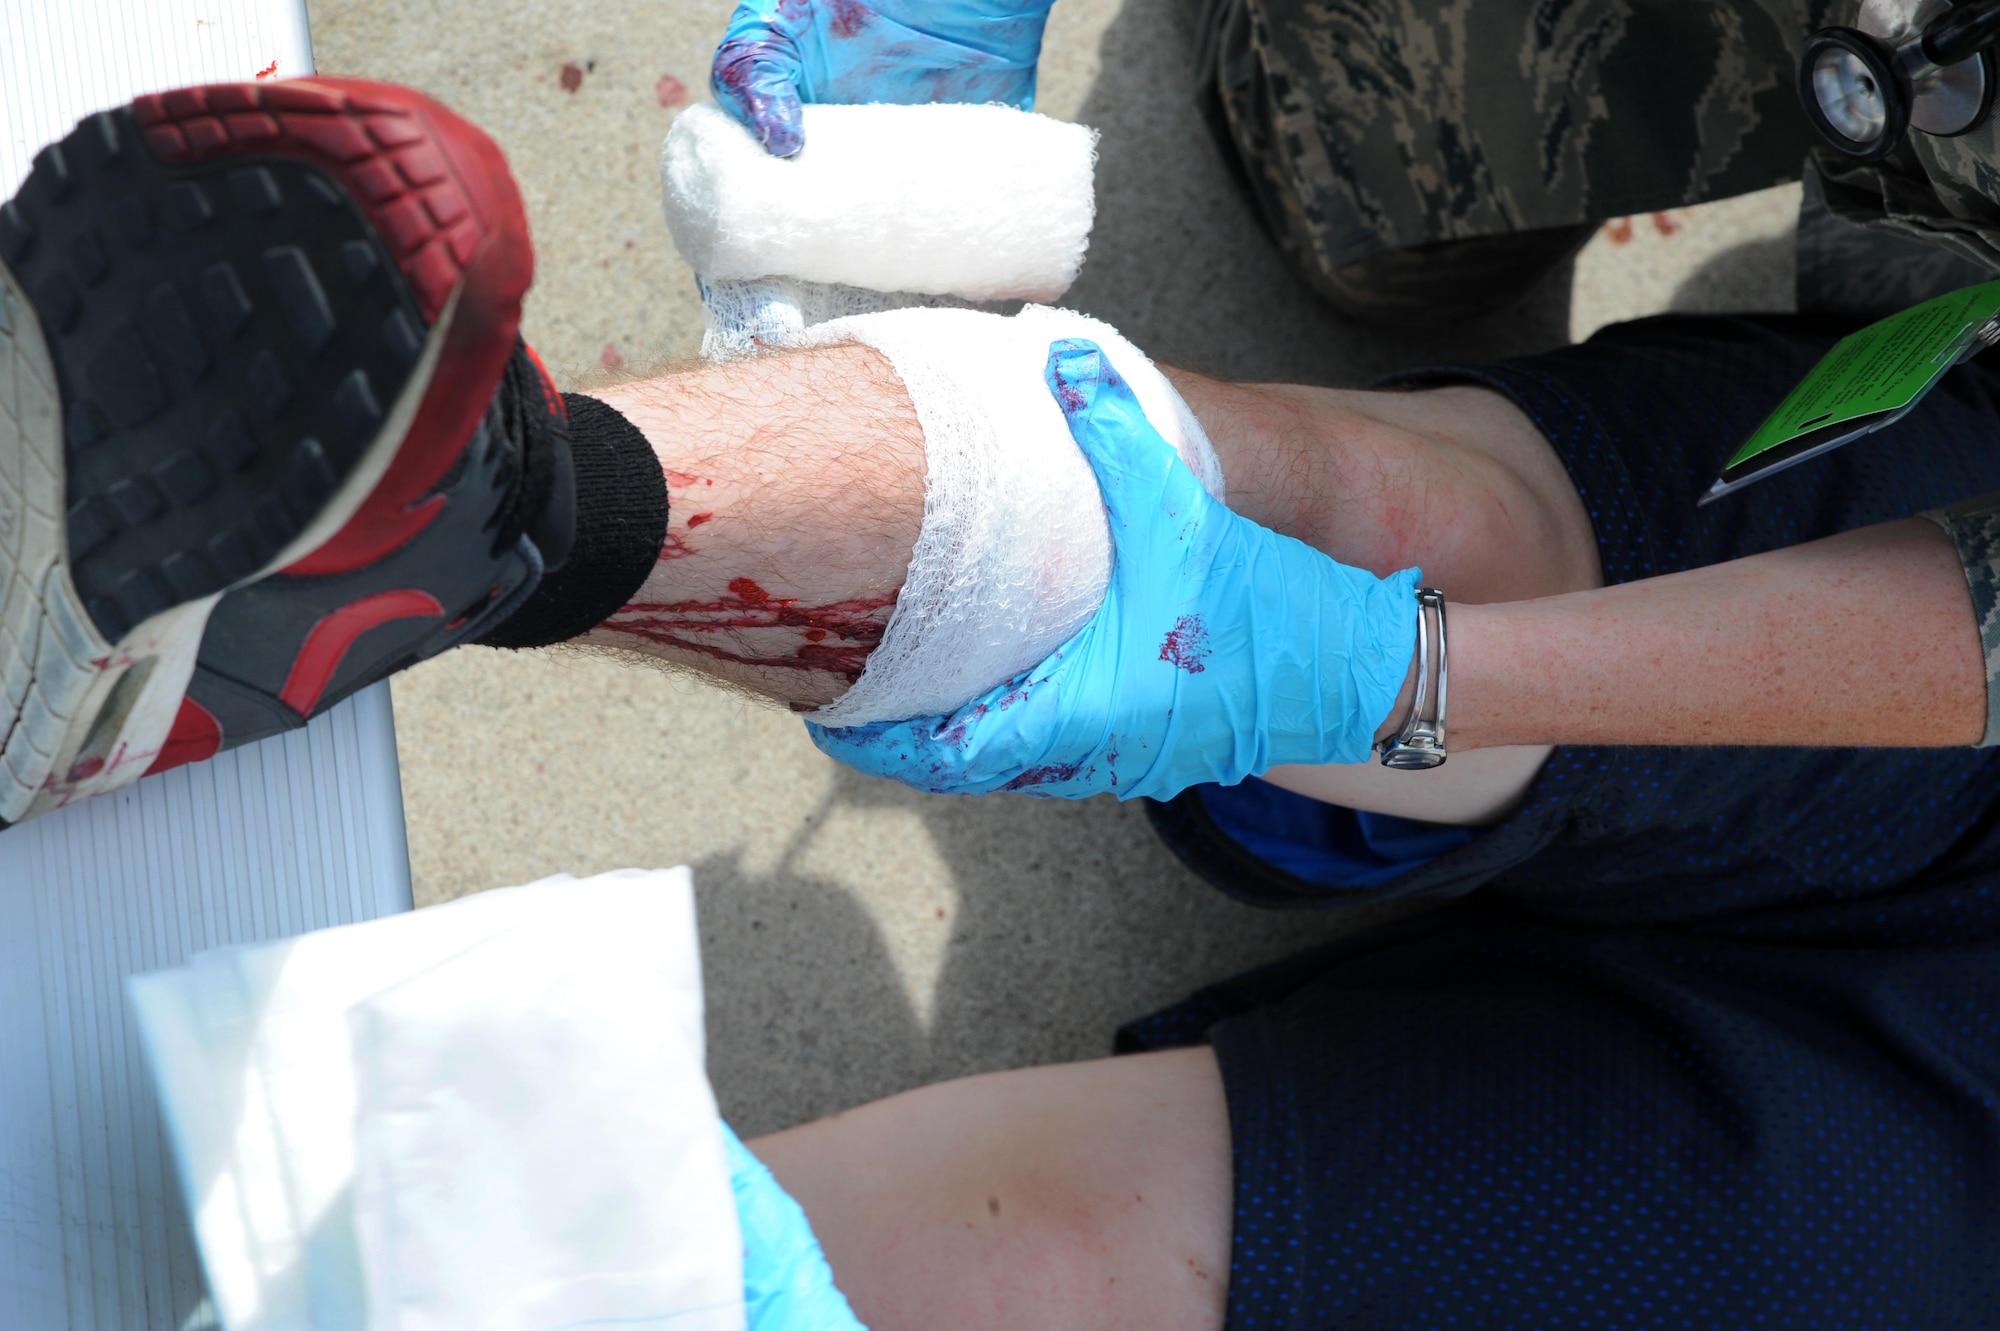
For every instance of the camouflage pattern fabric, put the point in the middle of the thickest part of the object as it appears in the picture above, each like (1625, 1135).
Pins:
(1974, 527)
(1365, 125)
(1869, 272)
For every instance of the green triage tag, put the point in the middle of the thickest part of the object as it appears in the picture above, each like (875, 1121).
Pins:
(1870, 379)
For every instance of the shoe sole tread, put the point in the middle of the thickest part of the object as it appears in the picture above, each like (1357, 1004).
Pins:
(214, 338)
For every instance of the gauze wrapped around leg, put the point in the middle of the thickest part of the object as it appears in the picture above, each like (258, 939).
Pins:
(1014, 555)
(888, 207)
(891, 218)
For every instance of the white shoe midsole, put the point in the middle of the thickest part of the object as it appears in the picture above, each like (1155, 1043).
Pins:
(80, 715)
(65, 737)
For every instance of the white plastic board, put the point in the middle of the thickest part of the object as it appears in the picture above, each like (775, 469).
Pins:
(60, 60)
(296, 833)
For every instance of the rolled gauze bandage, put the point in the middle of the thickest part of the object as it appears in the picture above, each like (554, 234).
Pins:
(979, 202)
(1014, 554)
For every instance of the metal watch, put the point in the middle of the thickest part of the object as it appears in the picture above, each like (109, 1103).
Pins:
(1419, 744)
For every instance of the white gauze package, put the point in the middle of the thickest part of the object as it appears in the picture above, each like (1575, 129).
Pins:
(489, 1114)
(886, 207)
(1014, 555)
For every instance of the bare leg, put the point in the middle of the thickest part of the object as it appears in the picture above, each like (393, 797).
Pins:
(797, 485)
(1455, 479)
(1088, 1195)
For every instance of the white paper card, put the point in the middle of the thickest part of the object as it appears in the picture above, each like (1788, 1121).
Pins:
(488, 1114)
(298, 832)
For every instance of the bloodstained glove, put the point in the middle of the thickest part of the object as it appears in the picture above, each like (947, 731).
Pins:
(780, 53)
(787, 1285)
(1221, 649)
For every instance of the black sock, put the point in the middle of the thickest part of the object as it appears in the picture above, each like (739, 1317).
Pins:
(621, 519)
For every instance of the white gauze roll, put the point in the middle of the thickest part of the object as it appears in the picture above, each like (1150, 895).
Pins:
(1015, 554)
(981, 202)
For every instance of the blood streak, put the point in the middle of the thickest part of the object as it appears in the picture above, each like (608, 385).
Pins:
(675, 546)
(1186, 644)
(835, 638)
(269, 71)
(849, 17)
(684, 479)
(1068, 397)
(957, 731)
(1048, 774)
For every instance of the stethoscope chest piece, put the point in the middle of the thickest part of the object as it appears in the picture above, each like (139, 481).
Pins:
(1864, 90)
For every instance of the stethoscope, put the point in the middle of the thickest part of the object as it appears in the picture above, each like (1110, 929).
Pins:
(1863, 93)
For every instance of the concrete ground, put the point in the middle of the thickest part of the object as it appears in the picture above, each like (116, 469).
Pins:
(860, 938)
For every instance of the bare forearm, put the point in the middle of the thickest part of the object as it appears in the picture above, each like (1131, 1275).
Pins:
(1866, 638)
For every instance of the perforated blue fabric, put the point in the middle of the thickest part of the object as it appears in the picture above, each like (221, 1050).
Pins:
(1503, 1123)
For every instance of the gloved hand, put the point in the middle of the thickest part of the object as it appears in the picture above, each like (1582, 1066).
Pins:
(787, 1285)
(779, 53)
(1221, 648)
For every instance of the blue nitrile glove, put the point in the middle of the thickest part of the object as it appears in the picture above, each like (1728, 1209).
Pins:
(787, 1285)
(1221, 649)
(779, 53)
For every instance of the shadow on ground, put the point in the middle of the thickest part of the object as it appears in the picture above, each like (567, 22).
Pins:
(1756, 275)
(1062, 920)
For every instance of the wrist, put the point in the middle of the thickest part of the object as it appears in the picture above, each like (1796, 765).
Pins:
(1507, 676)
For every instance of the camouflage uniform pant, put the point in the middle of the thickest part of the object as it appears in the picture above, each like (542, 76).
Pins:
(1367, 125)
(1974, 528)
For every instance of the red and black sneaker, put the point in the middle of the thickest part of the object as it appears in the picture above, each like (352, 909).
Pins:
(266, 429)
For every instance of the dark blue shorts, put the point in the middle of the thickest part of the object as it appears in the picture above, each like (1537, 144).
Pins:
(1700, 1037)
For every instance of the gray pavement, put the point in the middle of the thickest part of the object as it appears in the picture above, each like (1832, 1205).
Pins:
(861, 939)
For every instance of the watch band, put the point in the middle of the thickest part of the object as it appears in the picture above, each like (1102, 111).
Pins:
(1419, 744)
